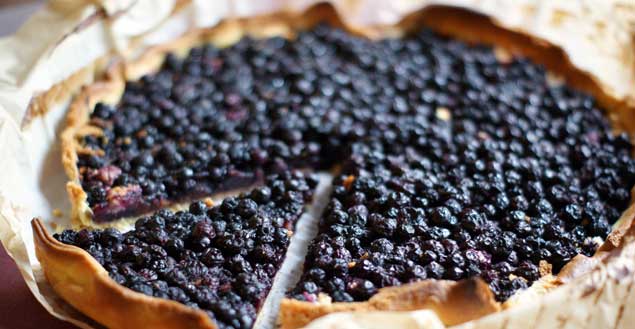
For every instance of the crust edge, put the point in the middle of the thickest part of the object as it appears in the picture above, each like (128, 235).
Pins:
(109, 89)
(454, 302)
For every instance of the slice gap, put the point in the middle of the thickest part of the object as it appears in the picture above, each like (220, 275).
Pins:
(291, 269)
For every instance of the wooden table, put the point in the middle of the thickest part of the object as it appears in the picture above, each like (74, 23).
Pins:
(18, 308)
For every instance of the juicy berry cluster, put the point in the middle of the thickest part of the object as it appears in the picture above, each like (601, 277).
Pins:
(218, 118)
(399, 218)
(472, 168)
(221, 259)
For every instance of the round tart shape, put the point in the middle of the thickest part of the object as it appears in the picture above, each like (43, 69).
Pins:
(399, 152)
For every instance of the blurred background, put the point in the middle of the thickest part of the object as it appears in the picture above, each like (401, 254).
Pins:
(18, 308)
(14, 12)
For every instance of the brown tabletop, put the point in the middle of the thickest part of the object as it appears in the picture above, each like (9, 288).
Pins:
(18, 308)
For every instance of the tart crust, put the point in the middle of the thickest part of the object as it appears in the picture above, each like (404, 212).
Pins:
(453, 302)
(86, 285)
(77, 277)
(71, 270)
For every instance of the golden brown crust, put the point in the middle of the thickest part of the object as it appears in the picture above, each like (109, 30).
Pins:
(453, 302)
(108, 90)
(623, 232)
(82, 282)
(623, 227)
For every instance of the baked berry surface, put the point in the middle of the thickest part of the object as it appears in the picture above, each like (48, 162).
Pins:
(221, 259)
(473, 168)
(452, 163)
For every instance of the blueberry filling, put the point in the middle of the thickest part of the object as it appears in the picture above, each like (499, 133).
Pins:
(453, 164)
(474, 168)
(221, 259)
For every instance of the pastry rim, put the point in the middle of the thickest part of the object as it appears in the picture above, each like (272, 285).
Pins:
(425, 294)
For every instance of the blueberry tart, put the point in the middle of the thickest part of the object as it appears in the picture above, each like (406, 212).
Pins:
(466, 176)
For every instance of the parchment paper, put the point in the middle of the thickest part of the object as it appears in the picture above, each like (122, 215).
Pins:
(71, 38)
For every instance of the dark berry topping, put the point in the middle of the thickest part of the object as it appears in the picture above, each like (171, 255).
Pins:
(208, 258)
(468, 167)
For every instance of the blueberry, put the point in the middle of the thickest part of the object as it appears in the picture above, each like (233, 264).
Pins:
(442, 216)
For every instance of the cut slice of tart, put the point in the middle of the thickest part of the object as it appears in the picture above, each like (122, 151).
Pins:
(179, 268)
(214, 121)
